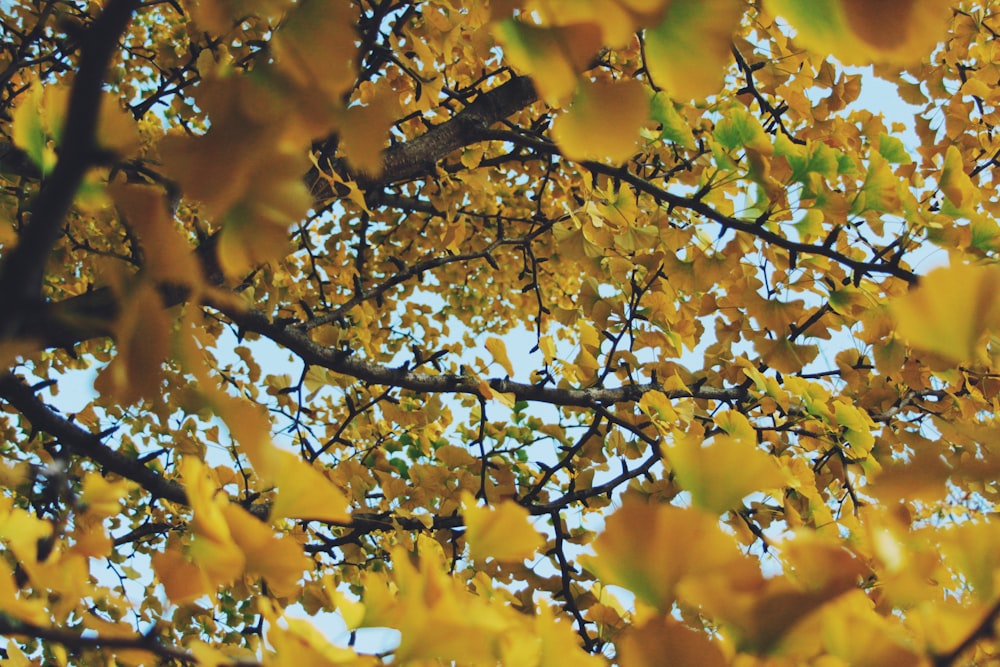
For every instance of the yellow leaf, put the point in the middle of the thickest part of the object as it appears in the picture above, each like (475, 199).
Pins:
(497, 348)
(101, 498)
(951, 311)
(858, 426)
(316, 49)
(364, 132)
(142, 341)
(117, 129)
(560, 645)
(956, 184)
(352, 611)
(167, 255)
(784, 355)
(687, 53)
(603, 121)
(182, 580)
(503, 532)
(298, 642)
(552, 56)
(303, 491)
(22, 531)
(221, 16)
(213, 549)
(648, 549)
(720, 473)
(279, 560)
(36, 119)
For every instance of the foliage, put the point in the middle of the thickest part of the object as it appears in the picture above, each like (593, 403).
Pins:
(538, 332)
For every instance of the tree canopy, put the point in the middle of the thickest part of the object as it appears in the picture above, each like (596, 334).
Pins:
(530, 332)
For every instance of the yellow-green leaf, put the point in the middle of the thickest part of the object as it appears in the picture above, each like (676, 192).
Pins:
(687, 53)
(720, 473)
(860, 32)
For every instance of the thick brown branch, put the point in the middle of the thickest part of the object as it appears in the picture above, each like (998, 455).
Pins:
(84, 443)
(71, 639)
(23, 268)
(347, 363)
(418, 157)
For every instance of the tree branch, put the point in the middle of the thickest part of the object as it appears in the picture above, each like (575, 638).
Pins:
(23, 268)
(84, 443)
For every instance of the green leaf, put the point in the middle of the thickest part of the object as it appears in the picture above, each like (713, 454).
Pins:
(892, 149)
(674, 128)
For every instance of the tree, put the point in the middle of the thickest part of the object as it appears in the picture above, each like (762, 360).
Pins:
(541, 332)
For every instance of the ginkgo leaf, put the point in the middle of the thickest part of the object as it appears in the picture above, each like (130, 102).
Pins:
(603, 122)
(956, 184)
(785, 355)
(558, 643)
(951, 311)
(893, 150)
(661, 641)
(858, 32)
(213, 549)
(100, 497)
(31, 131)
(858, 427)
(552, 56)
(503, 532)
(142, 342)
(300, 643)
(303, 491)
(686, 54)
(648, 549)
(220, 16)
(739, 129)
(167, 256)
(880, 191)
(498, 349)
(316, 50)
(364, 132)
(279, 560)
(723, 471)
(672, 126)
(182, 579)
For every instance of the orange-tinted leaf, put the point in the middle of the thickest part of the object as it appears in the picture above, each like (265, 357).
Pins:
(664, 641)
(213, 549)
(166, 255)
(142, 342)
(364, 132)
(182, 580)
